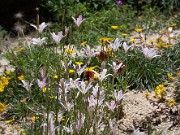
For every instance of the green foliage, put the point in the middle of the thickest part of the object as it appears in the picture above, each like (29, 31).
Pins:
(165, 5)
(172, 56)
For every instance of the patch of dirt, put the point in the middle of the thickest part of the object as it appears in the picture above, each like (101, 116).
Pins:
(143, 113)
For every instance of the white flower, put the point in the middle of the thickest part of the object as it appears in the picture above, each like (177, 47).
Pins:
(170, 29)
(171, 35)
(149, 53)
(116, 66)
(10, 68)
(26, 85)
(39, 41)
(68, 129)
(79, 123)
(115, 45)
(79, 20)
(41, 27)
(102, 75)
(68, 106)
(118, 95)
(82, 87)
(4, 62)
(80, 70)
(126, 47)
(112, 105)
(2, 69)
(57, 38)
(88, 52)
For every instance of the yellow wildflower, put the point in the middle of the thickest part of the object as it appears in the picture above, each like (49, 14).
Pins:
(55, 76)
(173, 25)
(124, 34)
(146, 94)
(23, 132)
(139, 30)
(79, 63)
(33, 118)
(178, 73)
(84, 43)
(23, 101)
(114, 27)
(15, 127)
(170, 76)
(109, 49)
(96, 76)
(71, 71)
(151, 41)
(171, 102)
(21, 49)
(53, 97)
(69, 51)
(105, 39)
(5, 80)
(45, 89)
(21, 77)
(132, 40)
(2, 107)
(8, 72)
(160, 91)
(9, 121)
(90, 68)
(2, 86)
(1, 89)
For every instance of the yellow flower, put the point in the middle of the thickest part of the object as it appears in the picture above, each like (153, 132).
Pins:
(170, 76)
(8, 72)
(21, 49)
(69, 51)
(124, 34)
(178, 73)
(171, 102)
(96, 76)
(173, 25)
(1, 89)
(109, 49)
(132, 40)
(114, 27)
(21, 77)
(139, 30)
(2, 107)
(160, 91)
(4, 80)
(146, 94)
(23, 132)
(71, 71)
(9, 121)
(23, 101)
(45, 89)
(79, 63)
(53, 97)
(33, 118)
(15, 127)
(2, 86)
(151, 41)
(105, 39)
(90, 68)
(84, 43)
(55, 76)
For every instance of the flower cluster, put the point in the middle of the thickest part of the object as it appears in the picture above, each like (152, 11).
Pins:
(160, 92)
